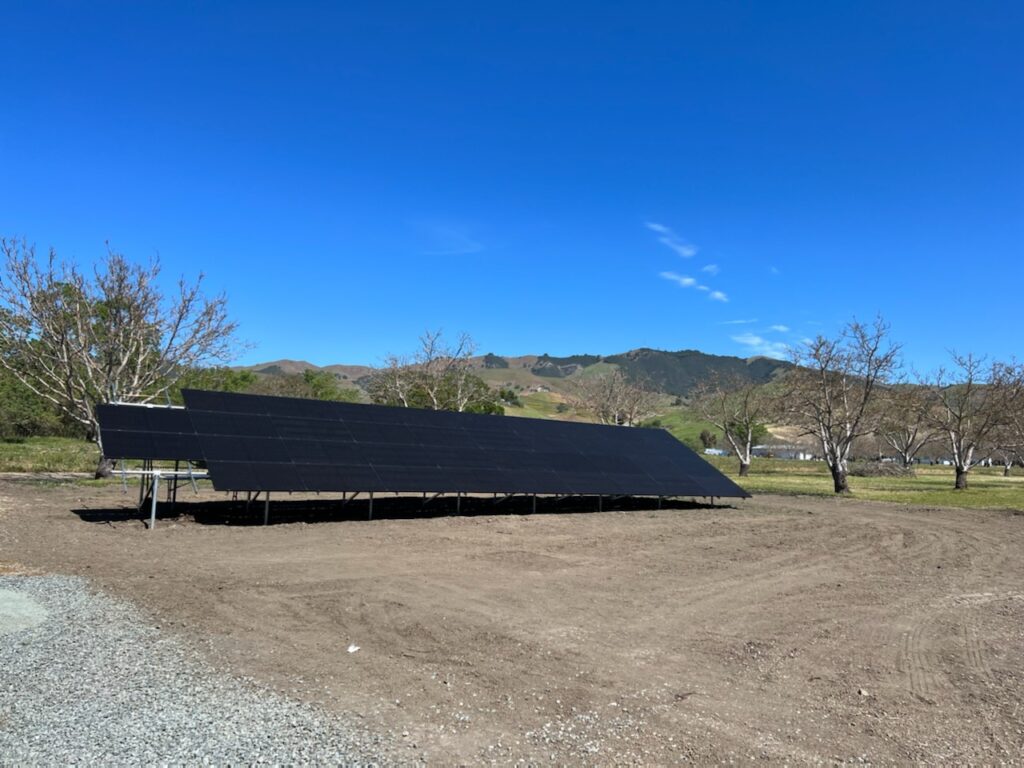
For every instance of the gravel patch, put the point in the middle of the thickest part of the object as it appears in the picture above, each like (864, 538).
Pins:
(85, 679)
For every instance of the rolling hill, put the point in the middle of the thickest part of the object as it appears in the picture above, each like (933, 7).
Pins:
(673, 373)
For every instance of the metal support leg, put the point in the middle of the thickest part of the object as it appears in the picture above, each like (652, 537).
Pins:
(174, 486)
(142, 485)
(370, 516)
(600, 503)
(659, 502)
(535, 503)
(156, 494)
(266, 508)
(458, 503)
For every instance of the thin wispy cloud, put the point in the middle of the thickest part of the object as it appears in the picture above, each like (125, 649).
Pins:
(668, 238)
(449, 240)
(775, 271)
(739, 322)
(759, 345)
(780, 328)
(671, 240)
(683, 280)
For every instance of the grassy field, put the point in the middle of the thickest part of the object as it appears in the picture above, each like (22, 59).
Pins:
(931, 486)
(538, 405)
(48, 454)
(684, 426)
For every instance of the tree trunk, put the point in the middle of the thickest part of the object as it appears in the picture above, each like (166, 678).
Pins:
(961, 479)
(839, 479)
(744, 468)
(1006, 470)
(105, 468)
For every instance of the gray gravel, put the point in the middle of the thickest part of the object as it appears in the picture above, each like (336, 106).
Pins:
(93, 682)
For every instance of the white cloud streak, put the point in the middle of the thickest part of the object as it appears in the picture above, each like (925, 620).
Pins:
(761, 346)
(671, 240)
(779, 328)
(683, 280)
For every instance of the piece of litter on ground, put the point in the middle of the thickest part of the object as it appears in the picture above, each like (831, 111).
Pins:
(353, 648)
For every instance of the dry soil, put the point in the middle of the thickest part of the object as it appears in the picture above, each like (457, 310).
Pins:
(798, 629)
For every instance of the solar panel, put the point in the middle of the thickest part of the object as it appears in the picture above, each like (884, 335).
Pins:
(147, 432)
(262, 443)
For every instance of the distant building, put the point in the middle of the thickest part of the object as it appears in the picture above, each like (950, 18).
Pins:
(795, 452)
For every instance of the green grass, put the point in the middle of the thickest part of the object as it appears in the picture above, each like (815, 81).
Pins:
(48, 454)
(685, 426)
(538, 405)
(931, 486)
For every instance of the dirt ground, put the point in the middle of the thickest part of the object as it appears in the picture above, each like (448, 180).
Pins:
(796, 629)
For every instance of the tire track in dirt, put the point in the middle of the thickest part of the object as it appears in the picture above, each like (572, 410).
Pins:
(975, 656)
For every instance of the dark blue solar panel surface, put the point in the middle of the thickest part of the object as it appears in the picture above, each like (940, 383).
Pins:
(142, 432)
(252, 442)
(256, 443)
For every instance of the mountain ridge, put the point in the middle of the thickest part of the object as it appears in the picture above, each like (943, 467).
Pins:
(672, 372)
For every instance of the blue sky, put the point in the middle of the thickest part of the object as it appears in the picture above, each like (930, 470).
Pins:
(560, 178)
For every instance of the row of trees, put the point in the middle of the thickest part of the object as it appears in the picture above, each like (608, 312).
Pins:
(845, 388)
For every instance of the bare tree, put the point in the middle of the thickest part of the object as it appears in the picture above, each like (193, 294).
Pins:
(905, 424)
(1006, 449)
(970, 402)
(1007, 438)
(1011, 375)
(445, 369)
(439, 376)
(829, 390)
(79, 340)
(611, 398)
(739, 409)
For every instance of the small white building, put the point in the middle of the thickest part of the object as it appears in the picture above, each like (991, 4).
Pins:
(795, 452)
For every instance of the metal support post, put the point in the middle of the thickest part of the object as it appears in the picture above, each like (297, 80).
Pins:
(156, 494)
(370, 516)
(266, 508)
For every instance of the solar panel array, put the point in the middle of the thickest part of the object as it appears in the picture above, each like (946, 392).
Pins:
(258, 443)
